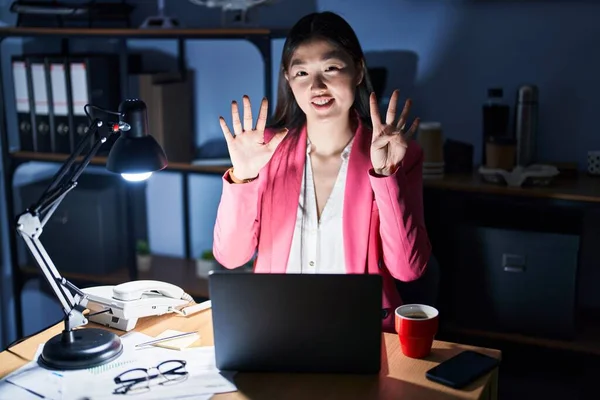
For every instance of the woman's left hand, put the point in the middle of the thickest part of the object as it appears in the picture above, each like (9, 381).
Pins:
(390, 140)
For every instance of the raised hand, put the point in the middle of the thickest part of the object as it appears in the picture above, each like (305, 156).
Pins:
(390, 140)
(247, 149)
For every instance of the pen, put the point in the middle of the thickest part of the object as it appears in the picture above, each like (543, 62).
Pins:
(166, 338)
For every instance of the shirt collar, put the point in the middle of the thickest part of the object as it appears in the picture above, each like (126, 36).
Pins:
(345, 153)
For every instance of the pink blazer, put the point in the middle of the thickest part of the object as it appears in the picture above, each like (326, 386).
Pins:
(384, 229)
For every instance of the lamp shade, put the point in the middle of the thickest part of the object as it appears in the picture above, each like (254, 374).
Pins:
(135, 151)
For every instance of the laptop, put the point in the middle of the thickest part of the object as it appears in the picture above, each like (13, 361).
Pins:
(313, 323)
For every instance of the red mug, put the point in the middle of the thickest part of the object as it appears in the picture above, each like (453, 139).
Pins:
(417, 325)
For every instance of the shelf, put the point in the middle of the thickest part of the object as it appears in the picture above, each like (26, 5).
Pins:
(178, 271)
(173, 166)
(582, 188)
(587, 341)
(215, 33)
(113, 278)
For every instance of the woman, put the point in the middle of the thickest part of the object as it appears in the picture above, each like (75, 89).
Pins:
(329, 187)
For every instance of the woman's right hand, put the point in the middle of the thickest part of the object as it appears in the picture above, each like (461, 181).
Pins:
(247, 149)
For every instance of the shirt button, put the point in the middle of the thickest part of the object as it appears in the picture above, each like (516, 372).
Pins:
(312, 263)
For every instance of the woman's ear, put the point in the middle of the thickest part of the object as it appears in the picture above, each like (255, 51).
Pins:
(360, 77)
(360, 72)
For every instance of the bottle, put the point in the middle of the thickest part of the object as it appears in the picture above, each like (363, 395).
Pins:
(500, 153)
(496, 114)
(526, 124)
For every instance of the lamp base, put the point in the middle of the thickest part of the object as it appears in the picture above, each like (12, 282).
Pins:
(80, 349)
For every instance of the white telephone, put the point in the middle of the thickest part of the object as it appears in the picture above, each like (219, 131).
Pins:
(120, 306)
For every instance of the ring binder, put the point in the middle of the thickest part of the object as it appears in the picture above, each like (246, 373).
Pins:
(59, 110)
(36, 74)
(22, 104)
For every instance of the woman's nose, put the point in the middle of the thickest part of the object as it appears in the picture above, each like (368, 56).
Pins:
(318, 84)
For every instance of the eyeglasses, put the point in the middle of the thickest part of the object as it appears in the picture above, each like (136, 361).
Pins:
(137, 380)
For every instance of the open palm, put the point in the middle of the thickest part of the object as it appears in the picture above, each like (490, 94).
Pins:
(247, 149)
(390, 140)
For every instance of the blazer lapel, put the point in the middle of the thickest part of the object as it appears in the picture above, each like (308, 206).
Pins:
(358, 203)
(285, 181)
(283, 191)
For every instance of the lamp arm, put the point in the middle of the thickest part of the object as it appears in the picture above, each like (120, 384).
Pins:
(59, 183)
(28, 223)
(66, 166)
(30, 228)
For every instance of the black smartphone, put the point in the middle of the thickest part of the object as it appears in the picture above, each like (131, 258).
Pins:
(462, 369)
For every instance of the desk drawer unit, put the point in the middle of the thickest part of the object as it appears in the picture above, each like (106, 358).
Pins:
(514, 281)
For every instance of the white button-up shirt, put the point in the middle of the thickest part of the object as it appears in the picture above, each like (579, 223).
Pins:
(318, 245)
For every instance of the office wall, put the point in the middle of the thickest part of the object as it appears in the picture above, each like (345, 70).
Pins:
(464, 47)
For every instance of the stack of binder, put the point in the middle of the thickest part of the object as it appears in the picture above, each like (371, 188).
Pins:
(51, 93)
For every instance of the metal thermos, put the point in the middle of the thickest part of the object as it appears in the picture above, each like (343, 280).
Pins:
(526, 124)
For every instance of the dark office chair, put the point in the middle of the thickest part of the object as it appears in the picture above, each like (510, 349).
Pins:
(424, 290)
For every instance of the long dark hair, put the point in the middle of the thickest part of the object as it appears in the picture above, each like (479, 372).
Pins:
(334, 29)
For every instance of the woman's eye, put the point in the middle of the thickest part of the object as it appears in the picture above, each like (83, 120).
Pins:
(300, 73)
(333, 68)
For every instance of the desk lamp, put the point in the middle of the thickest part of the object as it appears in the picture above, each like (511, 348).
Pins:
(134, 155)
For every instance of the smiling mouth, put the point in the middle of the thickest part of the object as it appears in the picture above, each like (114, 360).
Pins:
(322, 101)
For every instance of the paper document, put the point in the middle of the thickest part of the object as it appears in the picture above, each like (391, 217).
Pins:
(9, 391)
(202, 376)
(189, 373)
(38, 380)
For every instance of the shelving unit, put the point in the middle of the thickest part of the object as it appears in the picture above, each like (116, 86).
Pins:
(177, 271)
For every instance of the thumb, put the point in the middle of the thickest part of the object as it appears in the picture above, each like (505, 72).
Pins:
(277, 139)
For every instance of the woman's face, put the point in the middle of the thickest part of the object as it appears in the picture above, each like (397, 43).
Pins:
(323, 80)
